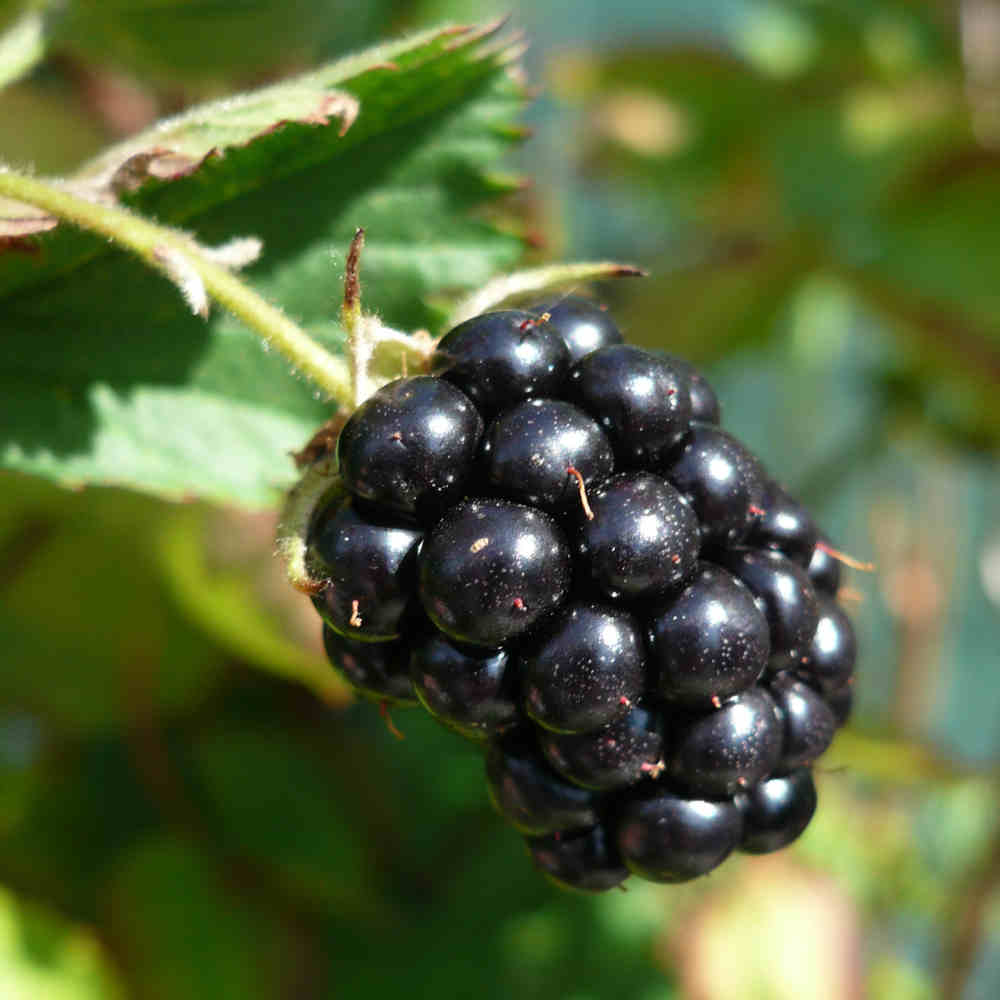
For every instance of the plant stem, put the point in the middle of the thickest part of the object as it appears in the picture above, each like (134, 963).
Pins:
(163, 248)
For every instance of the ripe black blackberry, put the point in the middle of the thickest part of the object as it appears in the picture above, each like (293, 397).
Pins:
(551, 545)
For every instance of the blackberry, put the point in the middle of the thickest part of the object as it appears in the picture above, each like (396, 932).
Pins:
(841, 702)
(553, 547)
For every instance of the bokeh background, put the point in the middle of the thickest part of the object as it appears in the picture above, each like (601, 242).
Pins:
(815, 190)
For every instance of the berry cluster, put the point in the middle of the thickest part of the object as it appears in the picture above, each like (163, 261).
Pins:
(552, 546)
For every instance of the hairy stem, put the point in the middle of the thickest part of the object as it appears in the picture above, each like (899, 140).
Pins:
(179, 257)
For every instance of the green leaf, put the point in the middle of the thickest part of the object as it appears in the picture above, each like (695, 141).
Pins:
(109, 379)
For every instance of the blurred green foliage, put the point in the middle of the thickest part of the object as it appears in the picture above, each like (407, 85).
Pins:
(815, 187)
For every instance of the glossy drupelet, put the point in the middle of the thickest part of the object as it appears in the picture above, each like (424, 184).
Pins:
(722, 480)
(640, 538)
(500, 358)
(539, 451)
(709, 641)
(823, 569)
(368, 569)
(529, 794)
(786, 596)
(777, 811)
(584, 670)
(639, 399)
(409, 448)
(470, 690)
(833, 648)
(617, 756)
(719, 752)
(704, 403)
(808, 722)
(490, 570)
(378, 670)
(785, 526)
(587, 861)
(583, 325)
(665, 837)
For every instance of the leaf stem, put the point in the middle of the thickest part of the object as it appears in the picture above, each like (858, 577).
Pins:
(174, 253)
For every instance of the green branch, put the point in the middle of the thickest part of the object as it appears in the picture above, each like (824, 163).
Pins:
(192, 268)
